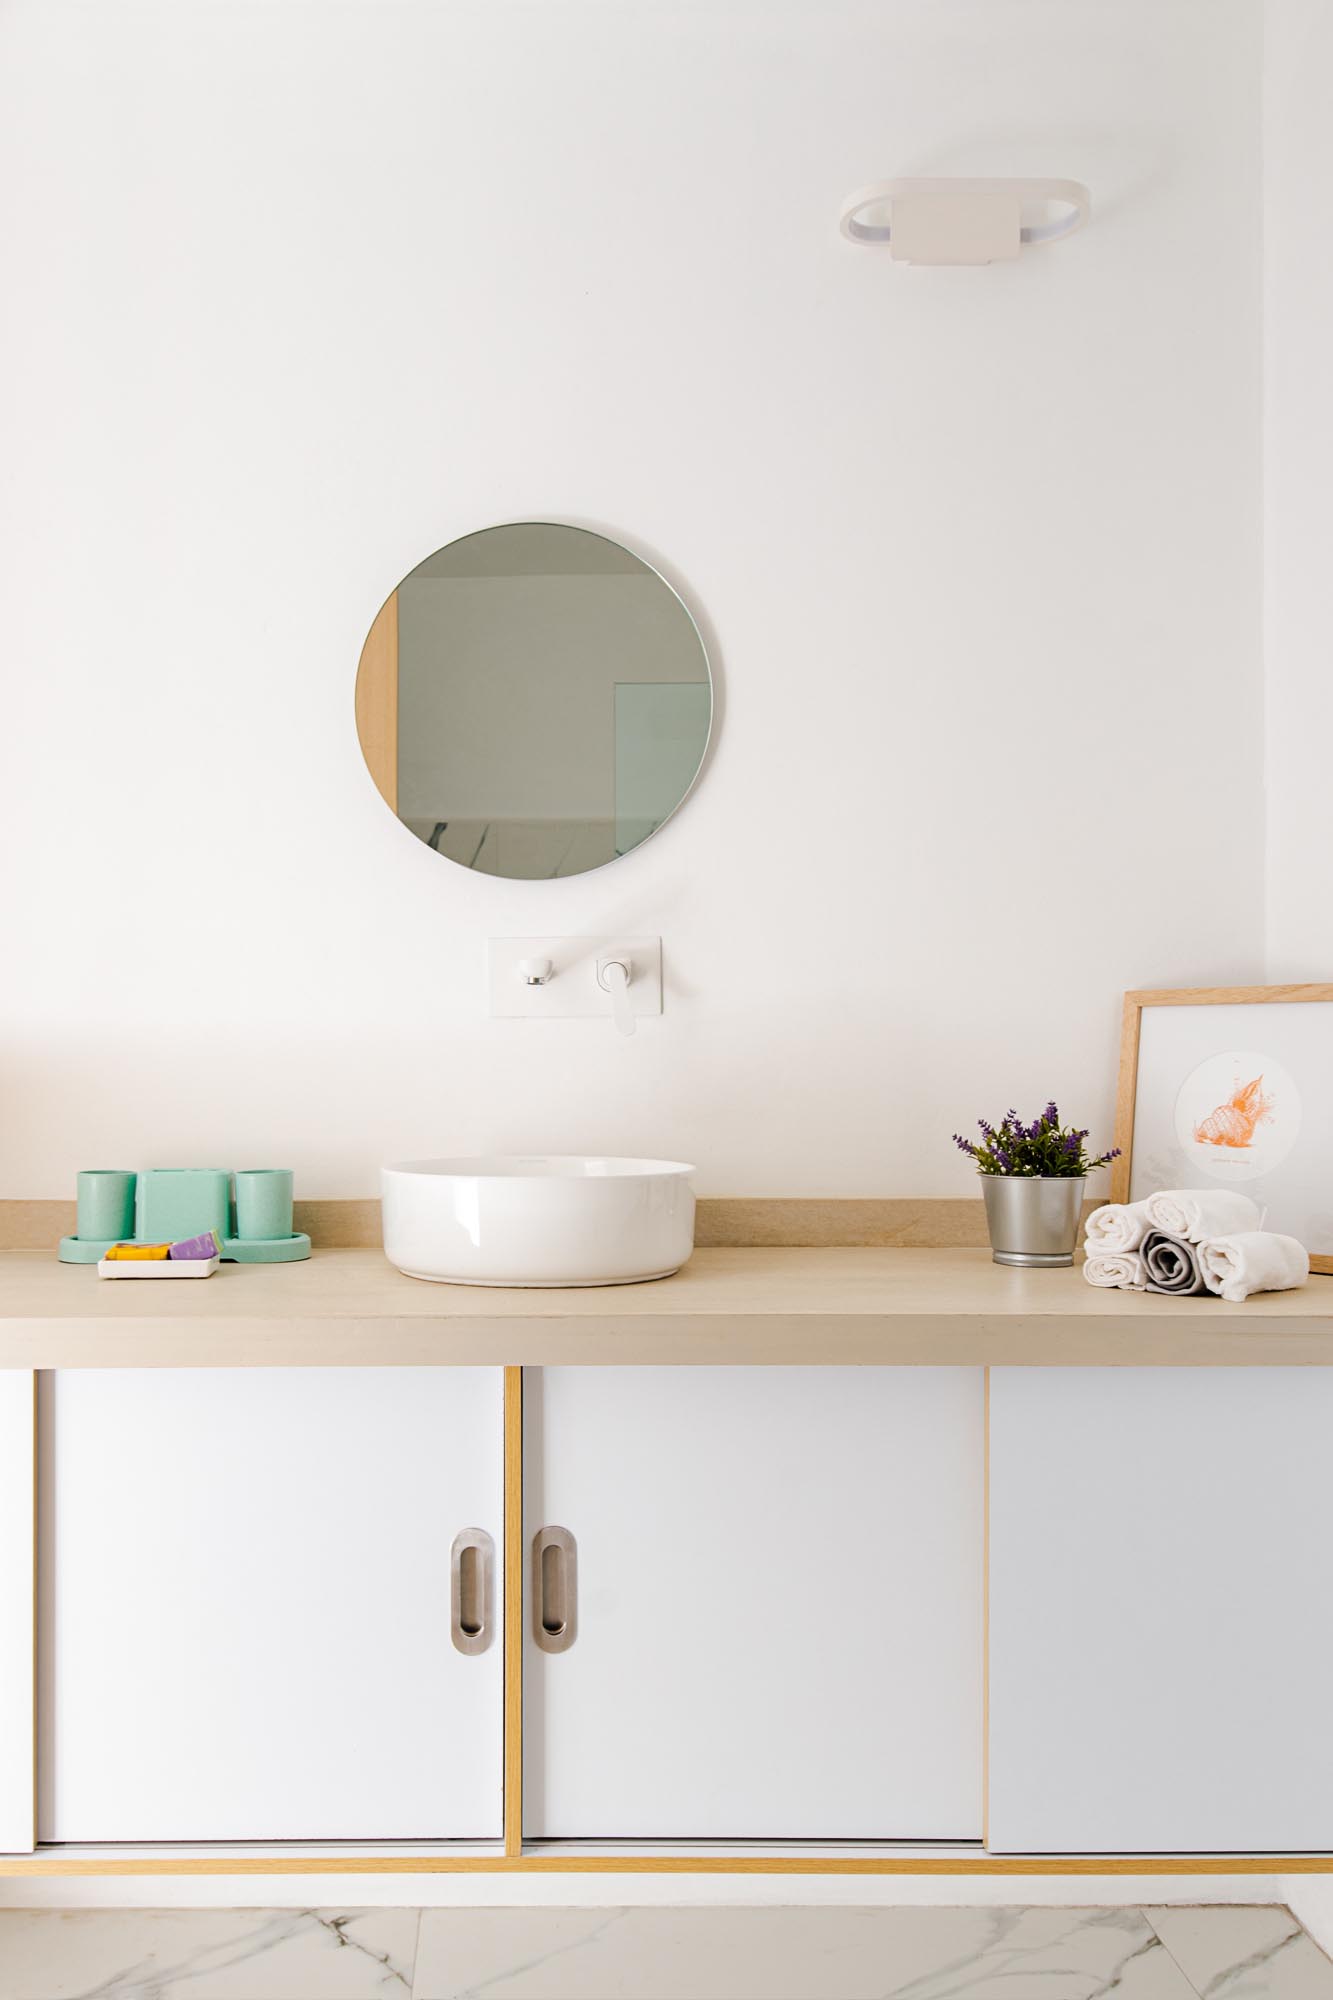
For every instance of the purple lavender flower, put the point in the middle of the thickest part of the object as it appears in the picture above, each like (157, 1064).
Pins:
(1042, 1150)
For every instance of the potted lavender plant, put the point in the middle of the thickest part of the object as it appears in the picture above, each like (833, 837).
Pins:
(1032, 1177)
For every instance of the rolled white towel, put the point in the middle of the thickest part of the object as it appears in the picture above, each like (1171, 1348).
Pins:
(1196, 1213)
(1171, 1265)
(1252, 1260)
(1117, 1270)
(1119, 1225)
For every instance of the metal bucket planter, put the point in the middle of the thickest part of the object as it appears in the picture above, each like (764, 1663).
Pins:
(1033, 1218)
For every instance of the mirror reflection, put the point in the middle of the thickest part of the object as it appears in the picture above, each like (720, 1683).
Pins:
(533, 701)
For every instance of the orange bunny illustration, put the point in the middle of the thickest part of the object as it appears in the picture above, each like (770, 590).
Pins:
(1235, 1122)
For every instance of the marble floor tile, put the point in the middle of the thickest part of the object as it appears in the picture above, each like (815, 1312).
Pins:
(1254, 1952)
(822, 1953)
(207, 1954)
(793, 1954)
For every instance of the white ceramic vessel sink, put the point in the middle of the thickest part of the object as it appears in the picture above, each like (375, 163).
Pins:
(540, 1219)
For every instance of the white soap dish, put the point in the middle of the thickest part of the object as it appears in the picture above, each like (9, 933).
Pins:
(157, 1267)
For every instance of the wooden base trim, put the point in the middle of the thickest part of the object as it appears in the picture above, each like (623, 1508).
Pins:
(721, 1222)
(674, 1864)
(888, 1223)
(513, 1602)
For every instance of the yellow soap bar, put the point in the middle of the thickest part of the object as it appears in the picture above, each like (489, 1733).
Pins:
(123, 1252)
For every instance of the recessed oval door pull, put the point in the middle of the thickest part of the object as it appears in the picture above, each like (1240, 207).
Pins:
(471, 1590)
(554, 1589)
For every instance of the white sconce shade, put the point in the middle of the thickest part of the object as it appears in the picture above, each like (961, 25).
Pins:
(963, 221)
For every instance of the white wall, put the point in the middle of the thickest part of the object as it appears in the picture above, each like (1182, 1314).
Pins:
(1298, 412)
(305, 291)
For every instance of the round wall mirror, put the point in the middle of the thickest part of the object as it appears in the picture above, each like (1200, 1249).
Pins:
(533, 700)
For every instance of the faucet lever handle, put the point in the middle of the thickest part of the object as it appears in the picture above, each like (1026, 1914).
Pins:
(614, 975)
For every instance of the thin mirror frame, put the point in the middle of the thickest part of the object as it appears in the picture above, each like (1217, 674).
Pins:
(577, 527)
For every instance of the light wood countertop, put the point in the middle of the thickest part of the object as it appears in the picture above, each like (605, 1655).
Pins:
(350, 1308)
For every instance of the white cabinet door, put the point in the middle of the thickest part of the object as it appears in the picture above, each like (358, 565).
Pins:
(778, 1628)
(1160, 1622)
(245, 1628)
(17, 1390)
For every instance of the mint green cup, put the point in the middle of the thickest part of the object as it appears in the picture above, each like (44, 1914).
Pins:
(263, 1203)
(106, 1205)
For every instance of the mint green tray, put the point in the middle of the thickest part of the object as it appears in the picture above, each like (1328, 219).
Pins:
(235, 1249)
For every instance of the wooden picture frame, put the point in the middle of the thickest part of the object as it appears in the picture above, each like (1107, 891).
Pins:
(1127, 1108)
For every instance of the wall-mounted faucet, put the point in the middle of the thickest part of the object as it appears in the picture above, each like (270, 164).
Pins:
(555, 979)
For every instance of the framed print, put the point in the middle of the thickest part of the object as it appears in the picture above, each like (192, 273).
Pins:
(1232, 1086)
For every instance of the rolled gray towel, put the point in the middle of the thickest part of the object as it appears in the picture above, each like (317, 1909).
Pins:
(1171, 1265)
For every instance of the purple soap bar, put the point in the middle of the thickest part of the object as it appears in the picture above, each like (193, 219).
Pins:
(196, 1247)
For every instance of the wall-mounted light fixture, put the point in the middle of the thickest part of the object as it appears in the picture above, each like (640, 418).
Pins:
(963, 221)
